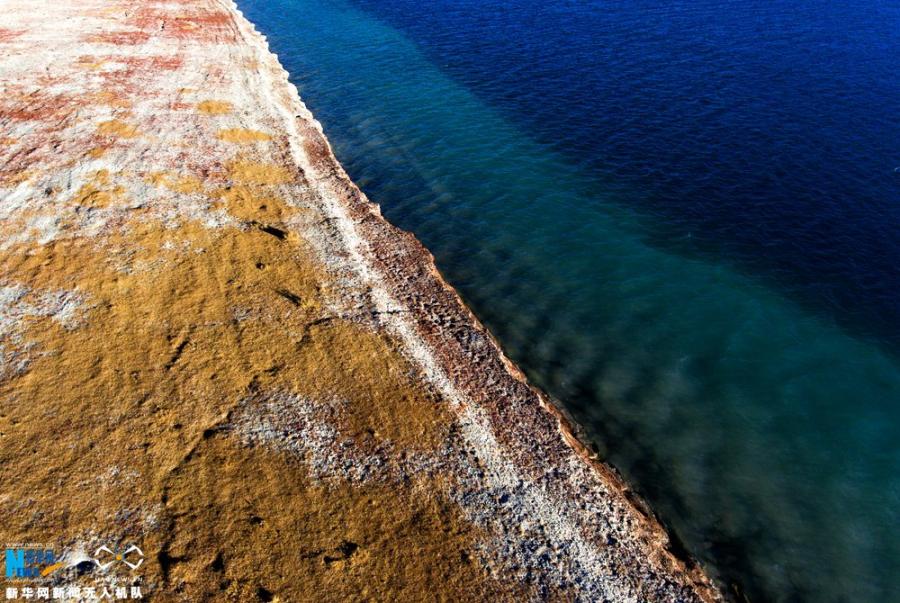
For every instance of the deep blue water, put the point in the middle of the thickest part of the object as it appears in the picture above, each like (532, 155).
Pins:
(761, 133)
(681, 220)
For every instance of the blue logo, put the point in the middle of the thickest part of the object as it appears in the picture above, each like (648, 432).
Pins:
(29, 563)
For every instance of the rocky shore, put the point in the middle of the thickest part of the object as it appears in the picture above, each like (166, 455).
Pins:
(213, 347)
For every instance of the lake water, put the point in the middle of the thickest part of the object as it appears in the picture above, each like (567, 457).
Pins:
(681, 219)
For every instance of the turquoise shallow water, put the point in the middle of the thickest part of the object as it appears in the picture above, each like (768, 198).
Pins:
(764, 435)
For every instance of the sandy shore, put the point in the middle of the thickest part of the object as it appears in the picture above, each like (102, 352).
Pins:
(214, 347)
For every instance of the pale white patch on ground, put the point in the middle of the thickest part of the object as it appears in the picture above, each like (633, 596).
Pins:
(311, 430)
(18, 306)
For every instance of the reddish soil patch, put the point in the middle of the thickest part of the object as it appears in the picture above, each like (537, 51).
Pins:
(37, 107)
(166, 63)
(205, 26)
(120, 38)
(7, 35)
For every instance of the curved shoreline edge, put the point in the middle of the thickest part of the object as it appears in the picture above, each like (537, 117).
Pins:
(214, 347)
(394, 255)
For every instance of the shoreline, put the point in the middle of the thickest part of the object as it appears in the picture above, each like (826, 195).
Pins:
(513, 456)
(568, 428)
